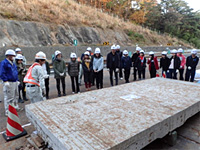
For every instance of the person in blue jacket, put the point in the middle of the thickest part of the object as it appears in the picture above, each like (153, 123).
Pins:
(9, 76)
(126, 63)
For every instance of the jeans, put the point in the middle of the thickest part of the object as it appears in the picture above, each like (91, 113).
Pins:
(172, 74)
(190, 75)
(141, 72)
(127, 74)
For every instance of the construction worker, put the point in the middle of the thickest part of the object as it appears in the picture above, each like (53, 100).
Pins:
(134, 58)
(19, 51)
(46, 69)
(191, 64)
(9, 76)
(183, 62)
(174, 66)
(164, 64)
(141, 65)
(126, 65)
(59, 67)
(34, 79)
(113, 64)
(153, 64)
(21, 68)
(98, 68)
(73, 71)
(119, 53)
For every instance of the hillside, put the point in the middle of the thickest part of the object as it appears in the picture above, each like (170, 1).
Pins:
(63, 21)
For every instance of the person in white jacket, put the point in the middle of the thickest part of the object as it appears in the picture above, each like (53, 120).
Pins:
(98, 68)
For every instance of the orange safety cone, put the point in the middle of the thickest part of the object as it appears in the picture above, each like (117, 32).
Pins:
(14, 129)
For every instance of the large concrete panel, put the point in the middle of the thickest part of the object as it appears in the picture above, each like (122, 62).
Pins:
(127, 117)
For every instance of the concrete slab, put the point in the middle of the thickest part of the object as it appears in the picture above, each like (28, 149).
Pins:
(128, 116)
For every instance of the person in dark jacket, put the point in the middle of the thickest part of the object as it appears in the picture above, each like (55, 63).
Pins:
(73, 71)
(164, 64)
(153, 64)
(59, 67)
(87, 70)
(113, 64)
(174, 66)
(119, 53)
(46, 68)
(191, 64)
(126, 65)
(141, 65)
(134, 58)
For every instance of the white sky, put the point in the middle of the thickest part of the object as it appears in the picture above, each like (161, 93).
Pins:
(195, 4)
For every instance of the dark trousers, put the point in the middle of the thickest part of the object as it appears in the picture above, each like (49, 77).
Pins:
(62, 80)
(172, 74)
(111, 70)
(99, 79)
(47, 86)
(152, 73)
(181, 74)
(93, 78)
(190, 75)
(73, 84)
(22, 88)
(141, 72)
(135, 73)
(127, 74)
(120, 72)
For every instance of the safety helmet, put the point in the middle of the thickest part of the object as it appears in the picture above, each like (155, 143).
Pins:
(87, 53)
(138, 48)
(19, 56)
(97, 51)
(113, 47)
(151, 53)
(164, 53)
(174, 51)
(180, 50)
(18, 50)
(141, 51)
(194, 51)
(118, 47)
(89, 49)
(10, 52)
(73, 55)
(125, 52)
(57, 52)
(40, 55)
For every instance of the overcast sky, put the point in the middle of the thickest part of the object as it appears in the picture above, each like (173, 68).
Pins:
(195, 4)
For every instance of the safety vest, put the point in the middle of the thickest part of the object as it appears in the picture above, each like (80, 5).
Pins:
(28, 78)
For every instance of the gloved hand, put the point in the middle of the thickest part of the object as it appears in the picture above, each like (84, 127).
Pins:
(7, 84)
(176, 70)
(167, 71)
(117, 70)
(18, 83)
(189, 68)
(149, 58)
(46, 76)
(181, 67)
(61, 74)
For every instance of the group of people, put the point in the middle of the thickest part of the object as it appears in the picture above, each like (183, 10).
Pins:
(34, 82)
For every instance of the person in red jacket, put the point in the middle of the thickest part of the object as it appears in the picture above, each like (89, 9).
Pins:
(183, 62)
(153, 64)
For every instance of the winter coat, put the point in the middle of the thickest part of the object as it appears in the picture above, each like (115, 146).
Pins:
(164, 63)
(134, 58)
(183, 60)
(88, 72)
(192, 62)
(177, 62)
(98, 63)
(155, 63)
(139, 65)
(113, 61)
(8, 72)
(73, 68)
(21, 68)
(59, 66)
(126, 62)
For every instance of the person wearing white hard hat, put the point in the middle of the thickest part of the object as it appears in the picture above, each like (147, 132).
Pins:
(134, 58)
(141, 65)
(34, 79)
(59, 67)
(98, 63)
(174, 66)
(87, 70)
(126, 65)
(183, 62)
(120, 54)
(9, 76)
(21, 68)
(113, 64)
(153, 64)
(164, 64)
(19, 51)
(191, 64)
(46, 69)
(73, 71)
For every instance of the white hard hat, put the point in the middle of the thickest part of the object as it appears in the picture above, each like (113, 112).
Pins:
(174, 51)
(10, 52)
(164, 53)
(113, 47)
(180, 50)
(87, 53)
(194, 51)
(19, 56)
(40, 55)
(118, 47)
(138, 49)
(89, 49)
(97, 51)
(151, 53)
(57, 52)
(73, 55)
(18, 50)
(141, 51)
(125, 52)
